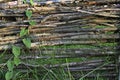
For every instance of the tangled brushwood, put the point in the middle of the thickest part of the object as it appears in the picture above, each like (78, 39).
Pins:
(86, 32)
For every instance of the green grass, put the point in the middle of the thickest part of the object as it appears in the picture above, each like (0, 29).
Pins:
(107, 44)
(57, 74)
(53, 61)
(81, 46)
(43, 73)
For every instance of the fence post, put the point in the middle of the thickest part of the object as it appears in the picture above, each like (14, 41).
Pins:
(119, 67)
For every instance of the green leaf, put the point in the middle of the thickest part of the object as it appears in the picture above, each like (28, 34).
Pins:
(16, 51)
(9, 75)
(24, 1)
(28, 13)
(23, 32)
(17, 61)
(10, 65)
(32, 23)
(27, 42)
(31, 2)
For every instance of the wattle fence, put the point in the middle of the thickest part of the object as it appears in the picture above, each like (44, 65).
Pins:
(86, 32)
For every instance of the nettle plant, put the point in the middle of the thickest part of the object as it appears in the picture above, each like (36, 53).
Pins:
(16, 50)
